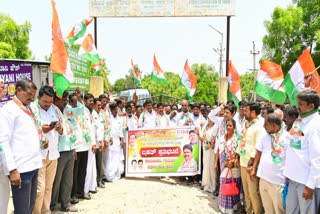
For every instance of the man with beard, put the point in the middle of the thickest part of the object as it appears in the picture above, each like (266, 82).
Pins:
(302, 166)
(251, 133)
(19, 140)
(62, 185)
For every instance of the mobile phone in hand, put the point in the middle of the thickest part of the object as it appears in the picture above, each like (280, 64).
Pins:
(53, 124)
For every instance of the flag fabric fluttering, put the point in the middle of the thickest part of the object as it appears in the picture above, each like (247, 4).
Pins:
(234, 88)
(294, 80)
(269, 82)
(157, 72)
(136, 74)
(88, 50)
(60, 64)
(189, 80)
(78, 30)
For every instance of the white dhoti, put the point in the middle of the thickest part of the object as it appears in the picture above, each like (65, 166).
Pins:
(114, 161)
(91, 177)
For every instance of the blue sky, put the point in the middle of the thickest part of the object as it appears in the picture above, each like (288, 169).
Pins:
(173, 40)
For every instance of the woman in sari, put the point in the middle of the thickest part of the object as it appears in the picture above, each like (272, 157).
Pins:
(229, 163)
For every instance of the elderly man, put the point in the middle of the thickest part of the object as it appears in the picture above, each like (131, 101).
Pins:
(50, 119)
(20, 142)
(4, 181)
(302, 166)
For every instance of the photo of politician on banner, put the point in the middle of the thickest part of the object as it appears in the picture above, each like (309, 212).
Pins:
(163, 152)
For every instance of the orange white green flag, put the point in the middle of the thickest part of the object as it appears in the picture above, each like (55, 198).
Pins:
(88, 50)
(234, 88)
(136, 74)
(189, 80)
(60, 64)
(269, 82)
(294, 80)
(157, 72)
(78, 30)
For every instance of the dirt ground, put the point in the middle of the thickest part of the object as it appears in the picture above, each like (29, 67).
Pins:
(148, 195)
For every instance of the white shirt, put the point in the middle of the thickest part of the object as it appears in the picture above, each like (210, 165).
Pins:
(19, 139)
(163, 121)
(115, 132)
(147, 120)
(98, 126)
(132, 122)
(87, 127)
(53, 136)
(182, 118)
(268, 169)
(303, 165)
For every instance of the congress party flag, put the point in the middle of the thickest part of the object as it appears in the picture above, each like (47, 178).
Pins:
(189, 80)
(157, 72)
(88, 50)
(234, 88)
(78, 30)
(294, 80)
(269, 82)
(136, 74)
(60, 64)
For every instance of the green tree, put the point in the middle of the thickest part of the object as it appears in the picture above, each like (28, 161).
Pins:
(173, 88)
(284, 42)
(207, 85)
(311, 26)
(247, 83)
(14, 38)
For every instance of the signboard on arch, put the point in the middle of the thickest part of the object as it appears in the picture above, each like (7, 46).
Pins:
(161, 8)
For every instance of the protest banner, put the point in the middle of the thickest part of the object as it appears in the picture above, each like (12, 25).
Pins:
(163, 152)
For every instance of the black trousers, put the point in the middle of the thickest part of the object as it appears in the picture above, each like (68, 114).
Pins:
(62, 185)
(99, 165)
(79, 173)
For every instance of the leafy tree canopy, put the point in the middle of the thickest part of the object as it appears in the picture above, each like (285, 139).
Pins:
(291, 30)
(14, 38)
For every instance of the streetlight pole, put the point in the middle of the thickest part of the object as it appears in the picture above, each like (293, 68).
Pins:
(220, 52)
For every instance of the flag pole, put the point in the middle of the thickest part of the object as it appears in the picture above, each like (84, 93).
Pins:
(312, 71)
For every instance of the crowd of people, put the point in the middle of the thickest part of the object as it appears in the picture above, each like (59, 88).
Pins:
(56, 150)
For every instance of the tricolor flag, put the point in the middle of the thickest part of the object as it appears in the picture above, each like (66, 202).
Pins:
(88, 50)
(97, 67)
(60, 64)
(269, 82)
(234, 88)
(78, 30)
(294, 80)
(157, 73)
(189, 80)
(136, 74)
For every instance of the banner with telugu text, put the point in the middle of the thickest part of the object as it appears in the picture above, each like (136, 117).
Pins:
(163, 152)
(10, 73)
